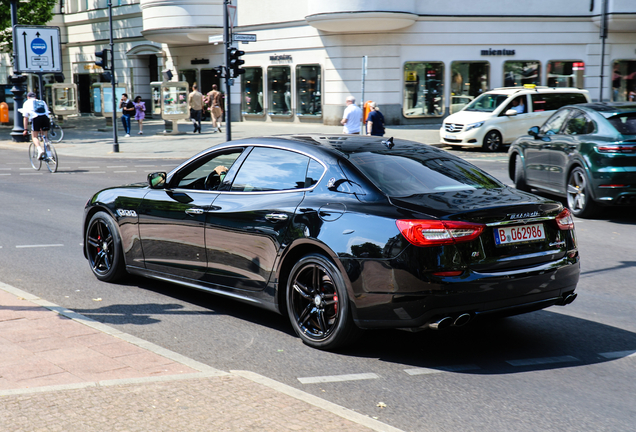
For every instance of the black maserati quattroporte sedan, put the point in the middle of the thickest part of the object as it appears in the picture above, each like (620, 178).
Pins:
(340, 233)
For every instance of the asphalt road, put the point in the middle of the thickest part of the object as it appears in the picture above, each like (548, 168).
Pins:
(562, 369)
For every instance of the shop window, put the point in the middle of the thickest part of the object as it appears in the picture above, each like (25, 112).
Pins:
(308, 90)
(518, 73)
(468, 80)
(624, 81)
(252, 91)
(279, 90)
(423, 89)
(566, 74)
(188, 75)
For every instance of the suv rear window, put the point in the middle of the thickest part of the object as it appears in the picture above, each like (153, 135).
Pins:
(624, 123)
(405, 174)
(554, 101)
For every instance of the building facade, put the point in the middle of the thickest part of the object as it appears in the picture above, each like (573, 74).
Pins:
(423, 58)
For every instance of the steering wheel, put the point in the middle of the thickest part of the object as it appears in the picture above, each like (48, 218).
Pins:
(212, 181)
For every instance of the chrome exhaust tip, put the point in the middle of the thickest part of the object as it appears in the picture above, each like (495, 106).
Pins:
(462, 320)
(441, 324)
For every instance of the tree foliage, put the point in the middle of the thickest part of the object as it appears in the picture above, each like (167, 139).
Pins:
(30, 12)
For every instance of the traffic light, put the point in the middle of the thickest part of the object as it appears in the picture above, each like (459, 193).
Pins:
(102, 59)
(236, 62)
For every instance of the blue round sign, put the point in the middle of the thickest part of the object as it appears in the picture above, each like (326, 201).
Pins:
(38, 46)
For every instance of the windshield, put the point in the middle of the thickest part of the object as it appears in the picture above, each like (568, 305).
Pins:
(488, 102)
(406, 174)
(624, 123)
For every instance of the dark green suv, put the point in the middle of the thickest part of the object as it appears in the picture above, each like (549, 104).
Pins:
(585, 152)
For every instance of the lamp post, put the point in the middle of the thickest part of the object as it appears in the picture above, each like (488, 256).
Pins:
(17, 133)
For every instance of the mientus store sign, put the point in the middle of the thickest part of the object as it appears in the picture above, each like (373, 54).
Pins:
(497, 52)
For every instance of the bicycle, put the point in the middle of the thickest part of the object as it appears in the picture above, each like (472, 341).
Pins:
(56, 133)
(49, 156)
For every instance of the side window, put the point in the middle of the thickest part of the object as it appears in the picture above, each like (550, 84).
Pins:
(579, 124)
(314, 172)
(201, 176)
(518, 104)
(554, 123)
(268, 169)
(554, 101)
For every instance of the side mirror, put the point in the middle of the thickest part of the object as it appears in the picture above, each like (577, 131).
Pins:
(534, 131)
(511, 113)
(157, 180)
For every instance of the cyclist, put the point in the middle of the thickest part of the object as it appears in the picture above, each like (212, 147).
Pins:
(38, 113)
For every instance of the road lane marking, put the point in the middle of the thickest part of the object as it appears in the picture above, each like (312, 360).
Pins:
(38, 246)
(35, 173)
(93, 172)
(118, 172)
(456, 368)
(338, 378)
(618, 354)
(116, 166)
(542, 361)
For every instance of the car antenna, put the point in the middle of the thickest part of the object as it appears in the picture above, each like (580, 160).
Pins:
(389, 143)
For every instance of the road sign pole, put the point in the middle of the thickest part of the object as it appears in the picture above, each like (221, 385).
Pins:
(17, 133)
(228, 80)
(112, 76)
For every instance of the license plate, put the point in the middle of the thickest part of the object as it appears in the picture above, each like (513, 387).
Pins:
(519, 234)
(449, 137)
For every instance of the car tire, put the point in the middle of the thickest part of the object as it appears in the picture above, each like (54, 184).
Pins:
(579, 198)
(318, 305)
(492, 141)
(103, 248)
(520, 175)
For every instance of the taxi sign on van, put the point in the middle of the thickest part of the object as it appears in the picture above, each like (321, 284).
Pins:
(529, 86)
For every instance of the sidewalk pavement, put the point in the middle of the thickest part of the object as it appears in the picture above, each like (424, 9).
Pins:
(62, 371)
(88, 136)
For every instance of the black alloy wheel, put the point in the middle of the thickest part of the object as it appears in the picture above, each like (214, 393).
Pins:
(520, 175)
(492, 141)
(103, 248)
(317, 303)
(578, 194)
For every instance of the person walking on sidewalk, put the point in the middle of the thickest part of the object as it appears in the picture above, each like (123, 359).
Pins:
(352, 117)
(375, 121)
(195, 101)
(140, 113)
(216, 112)
(127, 110)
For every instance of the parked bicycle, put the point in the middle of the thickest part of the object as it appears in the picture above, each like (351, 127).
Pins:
(56, 133)
(49, 157)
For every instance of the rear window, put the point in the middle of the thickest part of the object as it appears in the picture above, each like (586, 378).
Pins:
(554, 101)
(488, 102)
(406, 174)
(624, 123)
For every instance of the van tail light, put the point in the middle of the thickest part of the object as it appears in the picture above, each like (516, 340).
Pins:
(565, 221)
(435, 232)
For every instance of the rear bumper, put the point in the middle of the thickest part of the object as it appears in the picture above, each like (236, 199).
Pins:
(505, 293)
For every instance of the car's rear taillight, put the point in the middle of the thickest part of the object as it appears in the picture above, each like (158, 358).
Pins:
(616, 148)
(564, 220)
(435, 232)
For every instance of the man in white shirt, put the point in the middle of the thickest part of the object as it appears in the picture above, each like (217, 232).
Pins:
(352, 117)
(37, 112)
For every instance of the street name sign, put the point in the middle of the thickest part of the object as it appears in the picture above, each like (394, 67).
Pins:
(37, 49)
(243, 37)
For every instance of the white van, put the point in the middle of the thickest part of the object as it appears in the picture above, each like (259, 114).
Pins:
(502, 115)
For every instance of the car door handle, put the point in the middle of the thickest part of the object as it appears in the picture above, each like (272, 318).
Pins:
(195, 211)
(276, 217)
